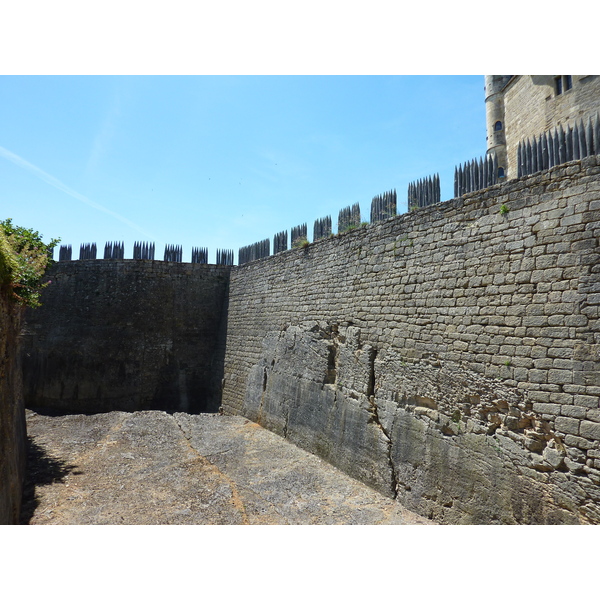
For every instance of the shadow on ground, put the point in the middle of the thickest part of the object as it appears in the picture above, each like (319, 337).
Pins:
(42, 469)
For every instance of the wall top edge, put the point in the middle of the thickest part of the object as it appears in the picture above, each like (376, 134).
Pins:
(573, 170)
(142, 262)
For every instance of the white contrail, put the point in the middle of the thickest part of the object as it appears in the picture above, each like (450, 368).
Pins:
(21, 162)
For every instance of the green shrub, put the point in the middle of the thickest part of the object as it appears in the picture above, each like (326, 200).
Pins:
(301, 242)
(24, 259)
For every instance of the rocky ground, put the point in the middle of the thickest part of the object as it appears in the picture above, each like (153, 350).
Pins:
(157, 468)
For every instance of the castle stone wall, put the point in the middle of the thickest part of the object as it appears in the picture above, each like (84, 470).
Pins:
(12, 414)
(531, 107)
(126, 335)
(449, 356)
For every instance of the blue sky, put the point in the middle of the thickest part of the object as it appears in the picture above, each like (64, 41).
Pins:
(270, 115)
(222, 161)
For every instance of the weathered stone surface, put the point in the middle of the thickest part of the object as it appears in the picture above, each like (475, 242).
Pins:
(154, 468)
(127, 335)
(432, 438)
(298, 391)
(475, 352)
(12, 414)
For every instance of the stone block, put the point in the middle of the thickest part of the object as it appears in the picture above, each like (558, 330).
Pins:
(560, 376)
(538, 376)
(568, 425)
(553, 457)
(587, 401)
(561, 398)
(538, 396)
(593, 414)
(565, 353)
(585, 352)
(586, 378)
(546, 261)
(590, 430)
(584, 245)
(545, 407)
(576, 412)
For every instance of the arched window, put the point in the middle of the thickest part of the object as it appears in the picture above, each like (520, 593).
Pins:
(500, 172)
(498, 126)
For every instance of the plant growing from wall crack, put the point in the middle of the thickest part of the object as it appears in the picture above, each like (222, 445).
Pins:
(301, 242)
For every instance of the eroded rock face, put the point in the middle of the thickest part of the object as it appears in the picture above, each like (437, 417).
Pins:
(467, 451)
(465, 337)
(313, 386)
(447, 443)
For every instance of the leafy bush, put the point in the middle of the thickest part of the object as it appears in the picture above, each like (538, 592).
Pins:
(24, 259)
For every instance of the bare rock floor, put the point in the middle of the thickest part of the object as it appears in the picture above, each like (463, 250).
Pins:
(152, 468)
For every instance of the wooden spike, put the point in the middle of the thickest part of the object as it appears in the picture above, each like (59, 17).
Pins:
(545, 153)
(560, 147)
(456, 182)
(486, 173)
(471, 187)
(571, 152)
(589, 137)
(534, 157)
(581, 146)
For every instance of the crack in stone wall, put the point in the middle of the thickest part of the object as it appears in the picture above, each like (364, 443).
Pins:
(485, 377)
(388, 437)
(327, 418)
(473, 332)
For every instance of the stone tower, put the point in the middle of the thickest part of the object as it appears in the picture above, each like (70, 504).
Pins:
(523, 107)
(495, 122)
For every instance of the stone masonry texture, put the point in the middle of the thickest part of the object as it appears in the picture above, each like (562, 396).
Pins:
(126, 335)
(532, 106)
(12, 413)
(448, 357)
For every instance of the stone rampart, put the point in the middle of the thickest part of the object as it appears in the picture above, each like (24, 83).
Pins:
(449, 356)
(127, 335)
